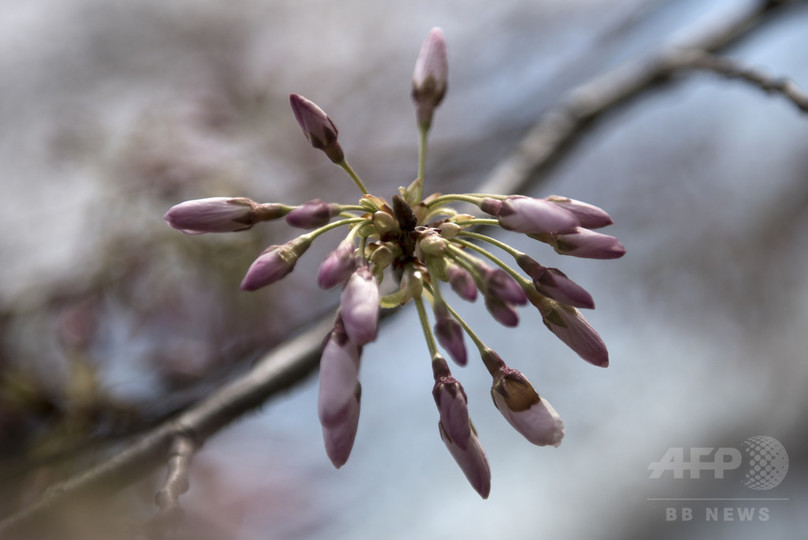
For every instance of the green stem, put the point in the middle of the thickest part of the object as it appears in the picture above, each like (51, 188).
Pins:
(493, 241)
(481, 221)
(333, 225)
(347, 168)
(449, 197)
(496, 260)
(430, 339)
(477, 341)
(422, 133)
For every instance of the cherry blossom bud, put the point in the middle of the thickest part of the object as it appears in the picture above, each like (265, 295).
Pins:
(274, 263)
(339, 375)
(462, 283)
(430, 77)
(588, 244)
(522, 407)
(499, 283)
(359, 305)
(589, 216)
(450, 334)
(339, 437)
(535, 216)
(503, 312)
(553, 283)
(317, 127)
(220, 214)
(453, 407)
(337, 266)
(491, 206)
(312, 214)
(471, 459)
(572, 328)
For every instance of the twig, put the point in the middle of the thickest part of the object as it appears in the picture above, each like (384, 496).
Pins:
(732, 69)
(176, 482)
(292, 361)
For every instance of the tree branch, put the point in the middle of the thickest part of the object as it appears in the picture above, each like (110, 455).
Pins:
(548, 141)
(733, 69)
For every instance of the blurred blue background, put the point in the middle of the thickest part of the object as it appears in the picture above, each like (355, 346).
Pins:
(109, 320)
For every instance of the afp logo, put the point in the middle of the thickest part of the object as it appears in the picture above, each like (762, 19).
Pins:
(765, 466)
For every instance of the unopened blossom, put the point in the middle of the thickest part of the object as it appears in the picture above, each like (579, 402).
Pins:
(498, 283)
(312, 214)
(471, 459)
(531, 216)
(522, 407)
(461, 282)
(220, 214)
(339, 375)
(359, 304)
(553, 283)
(339, 436)
(572, 328)
(453, 407)
(588, 245)
(430, 77)
(503, 312)
(318, 128)
(274, 263)
(588, 215)
(450, 335)
(337, 266)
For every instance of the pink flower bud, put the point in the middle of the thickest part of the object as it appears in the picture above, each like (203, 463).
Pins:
(588, 244)
(503, 312)
(589, 216)
(219, 214)
(499, 283)
(430, 77)
(312, 214)
(317, 127)
(535, 216)
(462, 283)
(471, 459)
(522, 407)
(553, 283)
(274, 263)
(450, 335)
(339, 375)
(337, 266)
(359, 304)
(572, 328)
(339, 437)
(452, 405)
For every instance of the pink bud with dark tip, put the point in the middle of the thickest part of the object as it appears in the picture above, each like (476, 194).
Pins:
(522, 407)
(220, 214)
(337, 266)
(318, 128)
(535, 216)
(589, 216)
(553, 283)
(462, 283)
(588, 244)
(312, 214)
(450, 334)
(430, 77)
(274, 264)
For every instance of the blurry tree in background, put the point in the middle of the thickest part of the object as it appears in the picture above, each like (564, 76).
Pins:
(111, 323)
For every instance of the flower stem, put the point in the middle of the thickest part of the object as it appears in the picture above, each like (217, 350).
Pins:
(449, 197)
(496, 260)
(430, 339)
(333, 225)
(493, 241)
(477, 341)
(347, 168)
(422, 133)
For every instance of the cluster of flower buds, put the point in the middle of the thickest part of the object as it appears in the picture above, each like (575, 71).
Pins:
(420, 244)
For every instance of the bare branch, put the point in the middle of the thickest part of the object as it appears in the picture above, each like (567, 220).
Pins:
(732, 69)
(294, 360)
(176, 482)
